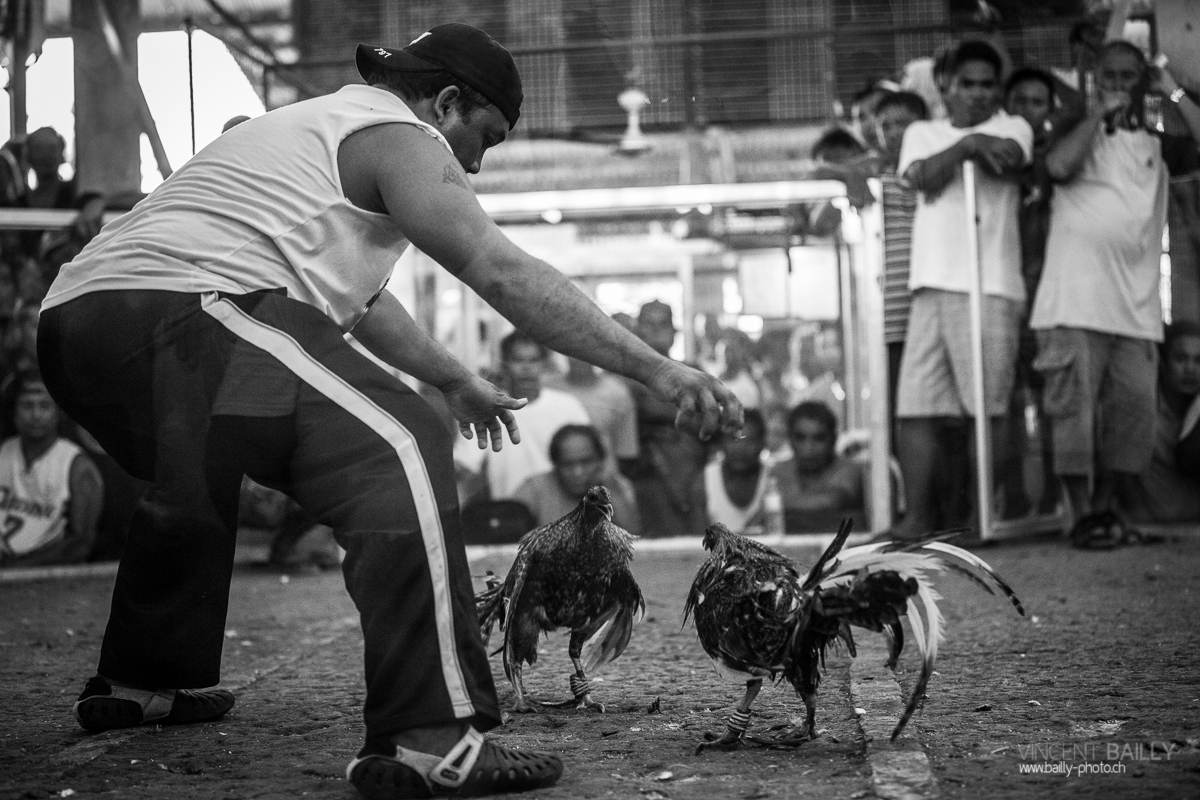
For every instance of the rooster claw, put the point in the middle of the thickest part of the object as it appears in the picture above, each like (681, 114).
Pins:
(713, 742)
(527, 708)
(788, 737)
(577, 705)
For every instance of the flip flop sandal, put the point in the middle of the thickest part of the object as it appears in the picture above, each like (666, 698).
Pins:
(1098, 531)
(472, 768)
(103, 707)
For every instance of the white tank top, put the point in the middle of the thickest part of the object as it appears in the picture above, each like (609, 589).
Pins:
(723, 510)
(34, 501)
(261, 207)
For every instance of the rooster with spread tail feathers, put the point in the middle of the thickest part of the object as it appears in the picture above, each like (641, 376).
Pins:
(757, 618)
(573, 573)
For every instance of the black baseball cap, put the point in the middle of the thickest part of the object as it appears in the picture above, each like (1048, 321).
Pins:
(465, 52)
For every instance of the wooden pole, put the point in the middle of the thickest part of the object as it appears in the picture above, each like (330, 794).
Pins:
(18, 92)
(128, 71)
(187, 23)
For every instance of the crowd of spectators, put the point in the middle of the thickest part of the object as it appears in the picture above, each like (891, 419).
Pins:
(65, 499)
(1072, 167)
(662, 482)
(1071, 200)
(1070, 197)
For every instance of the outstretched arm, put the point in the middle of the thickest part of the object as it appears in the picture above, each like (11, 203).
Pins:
(388, 331)
(427, 193)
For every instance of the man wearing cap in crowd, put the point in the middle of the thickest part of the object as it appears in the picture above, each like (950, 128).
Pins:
(200, 338)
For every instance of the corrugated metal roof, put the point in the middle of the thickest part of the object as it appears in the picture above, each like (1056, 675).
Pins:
(158, 15)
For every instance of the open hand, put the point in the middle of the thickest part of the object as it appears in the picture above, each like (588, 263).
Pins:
(704, 406)
(483, 411)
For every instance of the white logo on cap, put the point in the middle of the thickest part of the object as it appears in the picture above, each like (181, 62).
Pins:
(382, 52)
(419, 38)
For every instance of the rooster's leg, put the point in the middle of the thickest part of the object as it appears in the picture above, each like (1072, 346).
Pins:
(736, 723)
(580, 686)
(807, 731)
(523, 705)
(791, 734)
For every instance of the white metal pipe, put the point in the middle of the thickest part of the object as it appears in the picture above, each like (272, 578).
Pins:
(983, 452)
(868, 256)
(529, 206)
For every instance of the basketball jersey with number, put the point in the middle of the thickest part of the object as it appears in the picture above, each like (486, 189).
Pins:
(34, 498)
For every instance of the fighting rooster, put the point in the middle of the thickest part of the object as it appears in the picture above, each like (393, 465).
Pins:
(573, 573)
(757, 618)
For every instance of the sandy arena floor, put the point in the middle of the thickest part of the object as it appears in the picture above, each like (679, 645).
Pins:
(1102, 675)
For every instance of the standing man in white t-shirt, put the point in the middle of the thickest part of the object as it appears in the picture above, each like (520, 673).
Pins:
(935, 373)
(1098, 312)
(201, 337)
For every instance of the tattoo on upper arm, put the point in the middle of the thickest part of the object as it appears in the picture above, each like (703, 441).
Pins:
(452, 176)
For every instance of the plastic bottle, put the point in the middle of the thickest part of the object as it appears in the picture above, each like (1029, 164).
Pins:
(772, 509)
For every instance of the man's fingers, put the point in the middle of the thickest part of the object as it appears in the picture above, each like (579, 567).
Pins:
(732, 413)
(465, 429)
(493, 427)
(481, 435)
(710, 412)
(510, 421)
(504, 401)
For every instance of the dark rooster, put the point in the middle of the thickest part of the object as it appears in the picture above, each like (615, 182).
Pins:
(573, 573)
(757, 618)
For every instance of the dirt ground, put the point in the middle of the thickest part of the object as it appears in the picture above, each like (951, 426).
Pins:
(1101, 674)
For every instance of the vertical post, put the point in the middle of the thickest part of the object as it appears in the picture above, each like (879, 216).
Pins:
(869, 258)
(107, 125)
(18, 95)
(983, 452)
(687, 282)
(852, 377)
(189, 27)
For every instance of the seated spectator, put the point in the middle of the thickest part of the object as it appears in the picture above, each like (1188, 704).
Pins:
(50, 491)
(522, 370)
(20, 341)
(609, 405)
(669, 474)
(737, 353)
(734, 481)
(775, 421)
(817, 486)
(579, 458)
(1162, 493)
